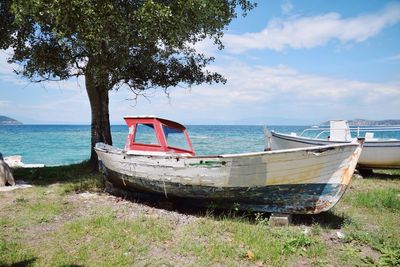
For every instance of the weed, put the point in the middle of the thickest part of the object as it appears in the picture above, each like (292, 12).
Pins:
(260, 218)
(21, 200)
(390, 256)
(295, 243)
(349, 252)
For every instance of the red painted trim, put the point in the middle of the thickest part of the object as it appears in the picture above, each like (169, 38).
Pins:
(189, 141)
(162, 145)
(179, 150)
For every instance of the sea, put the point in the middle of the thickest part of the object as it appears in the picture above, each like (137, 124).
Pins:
(54, 145)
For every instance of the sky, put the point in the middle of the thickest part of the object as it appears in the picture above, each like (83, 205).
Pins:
(287, 63)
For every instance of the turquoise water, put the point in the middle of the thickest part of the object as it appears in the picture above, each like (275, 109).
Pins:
(66, 144)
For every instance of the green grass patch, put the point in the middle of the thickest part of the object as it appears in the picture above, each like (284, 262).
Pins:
(372, 206)
(15, 254)
(379, 199)
(103, 238)
(390, 256)
(30, 211)
(232, 240)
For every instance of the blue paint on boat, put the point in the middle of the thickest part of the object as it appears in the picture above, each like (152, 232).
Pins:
(310, 198)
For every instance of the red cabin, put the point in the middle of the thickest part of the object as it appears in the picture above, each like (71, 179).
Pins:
(149, 133)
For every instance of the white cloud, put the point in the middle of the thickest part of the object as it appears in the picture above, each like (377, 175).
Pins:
(3, 104)
(261, 83)
(393, 58)
(55, 107)
(309, 32)
(287, 7)
(7, 75)
(7, 70)
(251, 91)
(283, 91)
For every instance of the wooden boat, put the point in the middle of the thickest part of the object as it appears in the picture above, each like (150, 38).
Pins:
(159, 158)
(377, 153)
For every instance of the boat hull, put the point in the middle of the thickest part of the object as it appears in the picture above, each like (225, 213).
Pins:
(375, 154)
(300, 181)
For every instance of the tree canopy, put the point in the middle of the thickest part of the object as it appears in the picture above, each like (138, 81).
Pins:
(138, 43)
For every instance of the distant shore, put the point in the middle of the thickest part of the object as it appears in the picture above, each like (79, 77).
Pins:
(362, 122)
(4, 120)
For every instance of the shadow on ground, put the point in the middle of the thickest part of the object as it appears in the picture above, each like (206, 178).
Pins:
(59, 174)
(79, 174)
(383, 175)
(24, 263)
(328, 219)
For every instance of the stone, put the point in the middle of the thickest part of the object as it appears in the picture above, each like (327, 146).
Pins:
(307, 231)
(279, 219)
(340, 235)
(6, 176)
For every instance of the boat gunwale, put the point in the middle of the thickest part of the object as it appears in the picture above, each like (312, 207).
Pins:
(293, 138)
(318, 148)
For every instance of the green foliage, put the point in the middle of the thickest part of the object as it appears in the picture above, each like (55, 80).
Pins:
(6, 19)
(138, 43)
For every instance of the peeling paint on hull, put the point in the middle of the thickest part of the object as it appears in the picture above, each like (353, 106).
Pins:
(290, 199)
(298, 181)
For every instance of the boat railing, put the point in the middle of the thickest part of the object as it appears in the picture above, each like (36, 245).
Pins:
(358, 130)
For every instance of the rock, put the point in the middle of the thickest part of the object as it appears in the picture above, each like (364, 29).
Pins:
(278, 219)
(340, 235)
(307, 231)
(357, 176)
(6, 176)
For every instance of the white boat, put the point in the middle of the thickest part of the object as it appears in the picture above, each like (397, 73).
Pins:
(377, 153)
(159, 158)
(16, 162)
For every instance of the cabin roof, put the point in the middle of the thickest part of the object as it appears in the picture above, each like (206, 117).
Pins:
(165, 121)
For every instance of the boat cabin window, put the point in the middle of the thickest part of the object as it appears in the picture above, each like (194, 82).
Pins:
(176, 138)
(145, 134)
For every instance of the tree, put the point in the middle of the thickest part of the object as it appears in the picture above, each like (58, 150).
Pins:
(140, 44)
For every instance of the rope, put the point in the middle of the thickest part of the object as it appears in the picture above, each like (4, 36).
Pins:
(165, 189)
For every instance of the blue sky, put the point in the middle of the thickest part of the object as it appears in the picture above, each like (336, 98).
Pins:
(287, 62)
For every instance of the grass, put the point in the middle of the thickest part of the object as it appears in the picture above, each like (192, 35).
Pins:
(51, 224)
(379, 199)
(104, 240)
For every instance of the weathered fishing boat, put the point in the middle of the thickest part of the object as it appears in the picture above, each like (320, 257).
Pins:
(159, 158)
(377, 153)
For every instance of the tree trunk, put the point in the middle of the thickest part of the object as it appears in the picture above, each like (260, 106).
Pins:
(97, 91)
